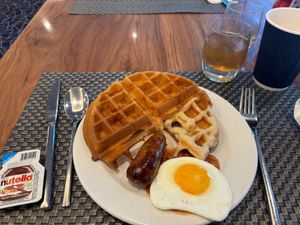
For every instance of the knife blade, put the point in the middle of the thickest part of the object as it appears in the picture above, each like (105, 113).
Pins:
(51, 117)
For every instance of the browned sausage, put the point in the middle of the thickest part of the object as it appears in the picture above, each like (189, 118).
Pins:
(144, 166)
(213, 160)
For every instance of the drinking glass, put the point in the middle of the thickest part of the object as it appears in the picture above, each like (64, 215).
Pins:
(225, 48)
(248, 11)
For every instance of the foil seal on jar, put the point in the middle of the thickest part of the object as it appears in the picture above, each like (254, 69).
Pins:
(21, 178)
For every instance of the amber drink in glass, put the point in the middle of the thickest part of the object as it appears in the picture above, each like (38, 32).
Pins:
(225, 49)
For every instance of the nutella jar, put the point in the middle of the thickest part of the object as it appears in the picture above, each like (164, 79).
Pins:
(21, 179)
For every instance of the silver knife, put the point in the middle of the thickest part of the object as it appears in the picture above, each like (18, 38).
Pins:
(51, 117)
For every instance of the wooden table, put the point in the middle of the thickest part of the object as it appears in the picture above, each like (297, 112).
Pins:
(57, 41)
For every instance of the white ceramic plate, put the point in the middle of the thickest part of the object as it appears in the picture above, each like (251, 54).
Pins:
(111, 190)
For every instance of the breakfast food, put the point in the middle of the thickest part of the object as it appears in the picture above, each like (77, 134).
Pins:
(144, 166)
(172, 115)
(146, 102)
(194, 128)
(192, 185)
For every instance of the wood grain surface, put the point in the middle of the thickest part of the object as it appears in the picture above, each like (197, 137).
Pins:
(57, 41)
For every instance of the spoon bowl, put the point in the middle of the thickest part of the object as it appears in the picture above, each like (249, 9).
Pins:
(75, 104)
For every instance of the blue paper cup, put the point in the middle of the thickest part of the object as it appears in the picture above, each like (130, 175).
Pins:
(278, 59)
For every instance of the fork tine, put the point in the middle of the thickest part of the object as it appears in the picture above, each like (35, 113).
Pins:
(245, 101)
(253, 101)
(241, 99)
(249, 100)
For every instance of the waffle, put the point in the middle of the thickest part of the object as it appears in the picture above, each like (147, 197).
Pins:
(142, 103)
(194, 128)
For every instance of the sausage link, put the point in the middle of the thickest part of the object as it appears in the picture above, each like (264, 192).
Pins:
(144, 166)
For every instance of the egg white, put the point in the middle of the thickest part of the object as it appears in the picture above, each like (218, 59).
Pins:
(214, 203)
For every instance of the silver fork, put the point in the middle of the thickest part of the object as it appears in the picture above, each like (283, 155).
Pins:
(248, 111)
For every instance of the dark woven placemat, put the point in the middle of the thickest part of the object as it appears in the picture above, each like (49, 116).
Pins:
(295, 4)
(106, 7)
(279, 135)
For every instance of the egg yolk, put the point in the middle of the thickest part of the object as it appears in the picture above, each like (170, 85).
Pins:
(192, 178)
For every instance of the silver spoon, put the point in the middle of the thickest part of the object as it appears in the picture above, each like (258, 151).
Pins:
(76, 104)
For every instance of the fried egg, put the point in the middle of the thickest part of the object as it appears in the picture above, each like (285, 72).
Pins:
(192, 185)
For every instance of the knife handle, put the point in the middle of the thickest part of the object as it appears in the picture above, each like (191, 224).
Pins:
(47, 202)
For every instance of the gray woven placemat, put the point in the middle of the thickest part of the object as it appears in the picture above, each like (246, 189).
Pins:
(106, 7)
(279, 135)
(295, 4)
